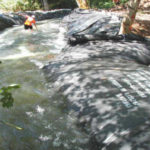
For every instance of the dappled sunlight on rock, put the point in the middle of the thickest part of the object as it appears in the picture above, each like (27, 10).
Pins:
(105, 82)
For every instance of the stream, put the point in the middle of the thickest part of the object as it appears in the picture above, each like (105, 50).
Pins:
(45, 123)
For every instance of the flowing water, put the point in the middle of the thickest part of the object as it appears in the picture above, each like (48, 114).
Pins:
(44, 120)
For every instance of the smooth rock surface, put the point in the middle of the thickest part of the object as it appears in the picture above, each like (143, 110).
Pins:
(105, 82)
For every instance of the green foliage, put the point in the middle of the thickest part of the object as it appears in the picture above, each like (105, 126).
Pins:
(106, 4)
(123, 1)
(27, 5)
(101, 3)
(6, 97)
(24, 5)
(53, 4)
(17, 5)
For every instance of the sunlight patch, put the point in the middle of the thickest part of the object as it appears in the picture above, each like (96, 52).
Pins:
(40, 110)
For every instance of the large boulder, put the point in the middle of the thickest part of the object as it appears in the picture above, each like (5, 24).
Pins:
(6, 21)
(105, 82)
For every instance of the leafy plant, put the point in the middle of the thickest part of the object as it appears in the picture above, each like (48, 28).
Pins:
(18, 5)
(7, 100)
(6, 97)
(27, 5)
(123, 1)
(101, 3)
(104, 3)
(53, 4)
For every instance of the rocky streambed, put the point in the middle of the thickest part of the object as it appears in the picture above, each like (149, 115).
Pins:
(100, 80)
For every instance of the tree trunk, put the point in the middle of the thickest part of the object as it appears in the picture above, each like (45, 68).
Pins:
(128, 20)
(82, 4)
(45, 4)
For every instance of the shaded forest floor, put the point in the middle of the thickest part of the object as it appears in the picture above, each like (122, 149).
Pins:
(141, 24)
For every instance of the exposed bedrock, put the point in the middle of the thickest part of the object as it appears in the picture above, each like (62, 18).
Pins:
(105, 82)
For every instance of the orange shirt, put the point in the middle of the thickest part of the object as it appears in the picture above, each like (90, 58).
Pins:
(29, 21)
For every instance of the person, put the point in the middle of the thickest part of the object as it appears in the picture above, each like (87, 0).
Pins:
(29, 21)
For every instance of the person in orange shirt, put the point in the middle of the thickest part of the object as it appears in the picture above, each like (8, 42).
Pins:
(29, 21)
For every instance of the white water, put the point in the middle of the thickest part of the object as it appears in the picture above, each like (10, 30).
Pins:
(44, 119)
(17, 43)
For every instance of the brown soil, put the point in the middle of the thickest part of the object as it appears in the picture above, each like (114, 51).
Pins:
(141, 25)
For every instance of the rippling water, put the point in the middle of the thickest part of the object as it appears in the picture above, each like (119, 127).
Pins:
(44, 119)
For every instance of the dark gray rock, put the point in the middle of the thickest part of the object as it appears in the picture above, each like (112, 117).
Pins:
(92, 22)
(105, 82)
(6, 21)
(10, 19)
(95, 25)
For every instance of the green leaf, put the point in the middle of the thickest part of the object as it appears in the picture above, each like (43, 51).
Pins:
(11, 125)
(14, 86)
(6, 97)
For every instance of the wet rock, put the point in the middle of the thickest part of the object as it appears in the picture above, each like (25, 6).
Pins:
(105, 82)
(10, 19)
(6, 21)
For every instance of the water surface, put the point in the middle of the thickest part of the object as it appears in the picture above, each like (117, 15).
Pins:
(45, 120)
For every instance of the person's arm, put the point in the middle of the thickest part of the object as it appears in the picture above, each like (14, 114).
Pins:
(35, 26)
(34, 22)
